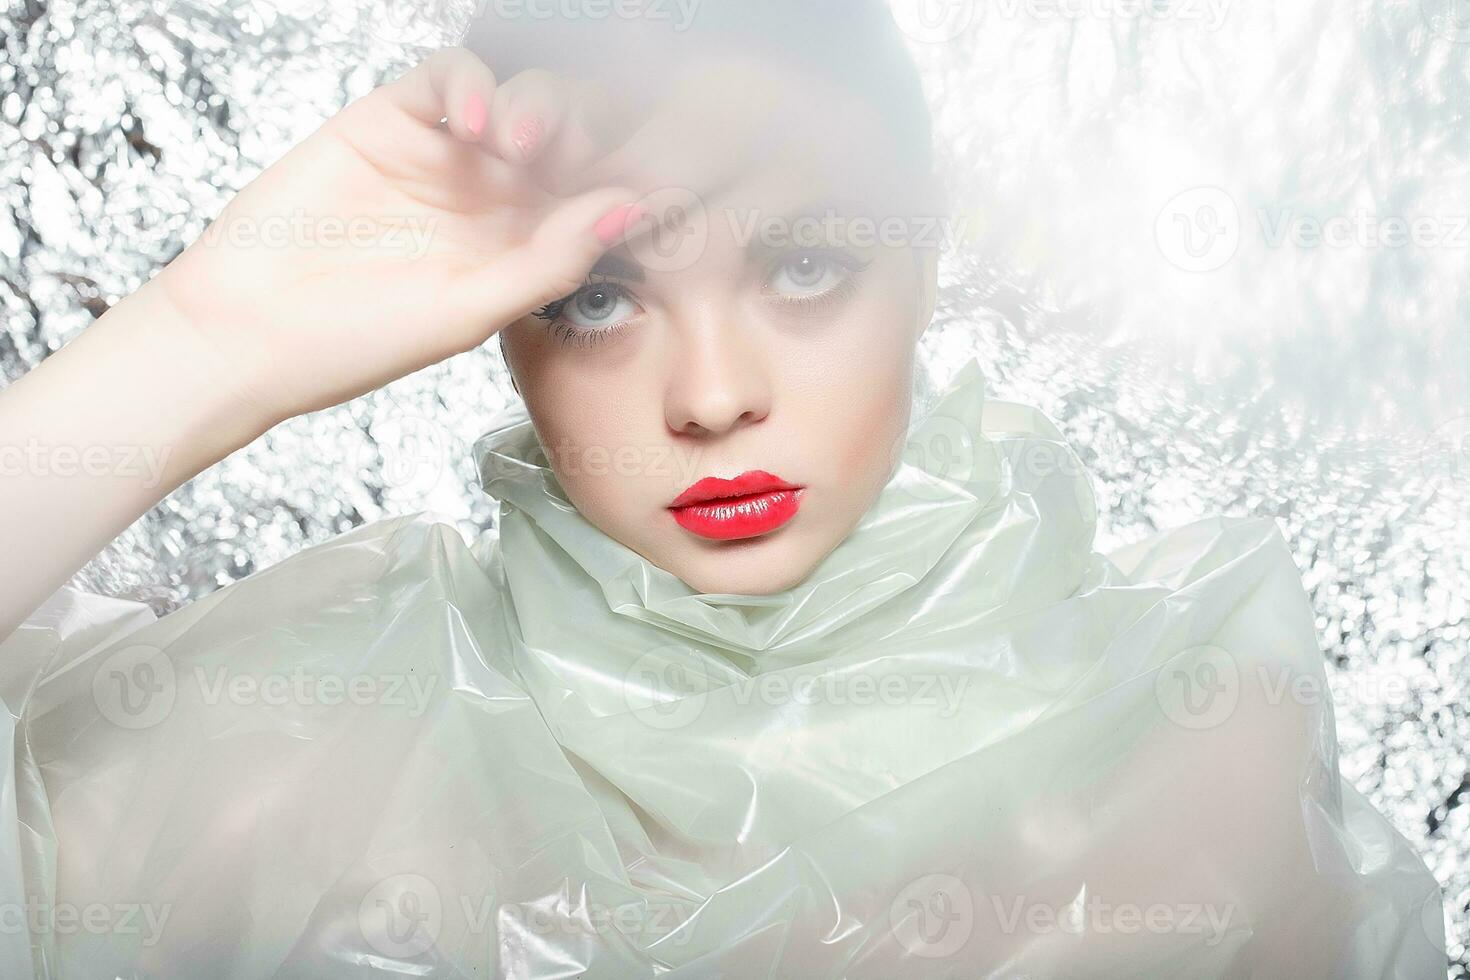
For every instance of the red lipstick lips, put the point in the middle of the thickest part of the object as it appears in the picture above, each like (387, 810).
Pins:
(753, 503)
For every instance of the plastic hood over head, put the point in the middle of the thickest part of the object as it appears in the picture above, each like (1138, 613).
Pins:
(967, 745)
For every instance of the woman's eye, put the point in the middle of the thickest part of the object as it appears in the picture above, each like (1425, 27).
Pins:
(807, 274)
(600, 305)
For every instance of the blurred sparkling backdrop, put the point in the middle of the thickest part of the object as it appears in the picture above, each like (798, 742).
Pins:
(1224, 243)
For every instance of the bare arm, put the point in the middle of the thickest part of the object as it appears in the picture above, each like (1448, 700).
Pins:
(100, 433)
(384, 243)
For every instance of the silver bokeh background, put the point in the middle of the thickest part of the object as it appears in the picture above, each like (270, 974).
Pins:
(1224, 243)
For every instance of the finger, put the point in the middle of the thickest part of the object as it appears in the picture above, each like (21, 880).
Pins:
(592, 126)
(679, 139)
(451, 84)
(672, 232)
(676, 150)
(398, 128)
(554, 262)
(527, 115)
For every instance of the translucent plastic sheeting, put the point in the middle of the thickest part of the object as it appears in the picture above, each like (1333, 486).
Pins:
(1326, 386)
(967, 745)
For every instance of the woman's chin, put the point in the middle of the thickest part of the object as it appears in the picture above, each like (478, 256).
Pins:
(762, 565)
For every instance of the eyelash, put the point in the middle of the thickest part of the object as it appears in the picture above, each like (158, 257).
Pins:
(572, 336)
(816, 303)
(569, 335)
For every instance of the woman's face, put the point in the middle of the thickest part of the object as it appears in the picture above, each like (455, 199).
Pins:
(768, 326)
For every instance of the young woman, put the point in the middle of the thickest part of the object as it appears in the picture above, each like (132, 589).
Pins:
(758, 677)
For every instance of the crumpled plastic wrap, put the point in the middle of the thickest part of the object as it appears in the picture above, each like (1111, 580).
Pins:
(967, 744)
(1323, 387)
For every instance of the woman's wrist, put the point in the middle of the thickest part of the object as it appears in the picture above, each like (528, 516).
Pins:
(204, 413)
(99, 433)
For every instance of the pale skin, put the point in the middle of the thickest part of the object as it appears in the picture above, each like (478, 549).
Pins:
(240, 333)
(230, 340)
(742, 357)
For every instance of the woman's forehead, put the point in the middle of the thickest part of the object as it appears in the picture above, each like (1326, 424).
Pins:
(753, 134)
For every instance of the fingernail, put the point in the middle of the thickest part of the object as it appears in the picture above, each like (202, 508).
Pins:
(528, 135)
(474, 114)
(615, 223)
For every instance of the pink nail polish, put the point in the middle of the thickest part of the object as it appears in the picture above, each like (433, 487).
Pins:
(474, 114)
(615, 223)
(528, 135)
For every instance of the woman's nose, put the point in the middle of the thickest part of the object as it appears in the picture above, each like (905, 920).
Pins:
(718, 380)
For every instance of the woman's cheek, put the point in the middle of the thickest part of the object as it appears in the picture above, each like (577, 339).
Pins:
(874, 396)
(599, 461)
(865, 418)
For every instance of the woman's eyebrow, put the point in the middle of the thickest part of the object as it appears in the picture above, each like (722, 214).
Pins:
(792, 230)
(618, 267)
